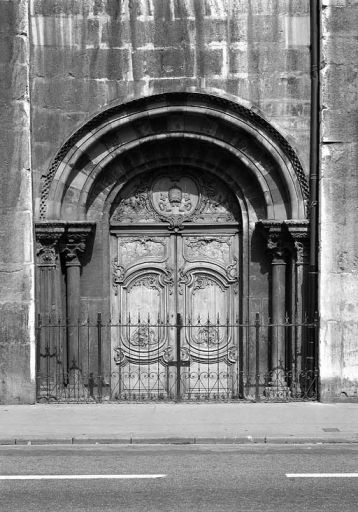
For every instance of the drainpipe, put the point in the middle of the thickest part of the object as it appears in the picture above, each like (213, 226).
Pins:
(315, 18)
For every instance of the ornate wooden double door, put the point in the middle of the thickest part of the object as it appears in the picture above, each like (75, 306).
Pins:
(175, 255)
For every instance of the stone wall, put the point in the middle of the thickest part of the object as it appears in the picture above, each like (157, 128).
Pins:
(89, 53)
(73, 58)
(17, 351)
(338, 201)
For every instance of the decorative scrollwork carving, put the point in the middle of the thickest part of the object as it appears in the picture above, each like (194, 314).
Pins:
(202, 281)
(119, 358)
(232, 271)
(168, 279)
(168, 354)
(184, 354)
(117, 275)
(232, 354)
(214, 247)
(207, 334)
(183, 280)
(175, 198)
(47, 249)
(143, 336)
(150, 281)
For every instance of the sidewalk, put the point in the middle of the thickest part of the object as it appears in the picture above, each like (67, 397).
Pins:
(179, 423)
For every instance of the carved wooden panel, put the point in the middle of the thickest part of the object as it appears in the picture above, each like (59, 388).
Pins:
(165, 263)
(208, 286)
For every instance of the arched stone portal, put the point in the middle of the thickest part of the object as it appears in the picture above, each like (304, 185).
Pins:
(138, 193)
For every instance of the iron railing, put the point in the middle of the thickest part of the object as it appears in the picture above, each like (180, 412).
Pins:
(158, 361)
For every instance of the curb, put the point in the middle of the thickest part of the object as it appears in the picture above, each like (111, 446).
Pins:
(247, 440)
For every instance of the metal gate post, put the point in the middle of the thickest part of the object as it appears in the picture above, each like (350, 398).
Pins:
(257, 357)
(38, 356)
(99, 355)
(178, 354)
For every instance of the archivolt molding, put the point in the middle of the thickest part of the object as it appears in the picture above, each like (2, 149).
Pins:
(148, 109)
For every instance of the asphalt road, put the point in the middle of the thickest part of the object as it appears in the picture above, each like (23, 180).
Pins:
(198, 478)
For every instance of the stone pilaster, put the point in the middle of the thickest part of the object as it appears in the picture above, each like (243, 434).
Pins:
(297, 232)
(277, 249)
(72, 249)
(48, 236)
(48, 299)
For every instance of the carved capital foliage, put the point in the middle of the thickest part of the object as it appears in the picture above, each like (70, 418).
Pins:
(276, 240)
(48, 236)
(277, 247)
(74, 242)
(73, 246)
(297, 232)
(47, 249)
(301, 252)
(290, 236)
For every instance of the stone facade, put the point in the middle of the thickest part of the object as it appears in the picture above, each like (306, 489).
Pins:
(338, 200)
(221, 85)
(17, 312)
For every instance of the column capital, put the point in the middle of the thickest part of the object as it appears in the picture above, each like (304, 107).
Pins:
(74, 241)
(298, 232)
(276, 239)
(48, 236)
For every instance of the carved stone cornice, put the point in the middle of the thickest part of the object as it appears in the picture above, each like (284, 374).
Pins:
(296, 229)
(48, 236)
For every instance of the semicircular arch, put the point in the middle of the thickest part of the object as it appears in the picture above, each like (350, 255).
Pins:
(235, 132)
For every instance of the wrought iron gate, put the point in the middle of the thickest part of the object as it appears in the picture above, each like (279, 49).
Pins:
(101, 373)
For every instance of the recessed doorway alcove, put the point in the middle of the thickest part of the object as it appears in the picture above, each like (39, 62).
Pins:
(180, 218)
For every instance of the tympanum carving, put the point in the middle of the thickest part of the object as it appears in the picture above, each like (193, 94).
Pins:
(175, 197)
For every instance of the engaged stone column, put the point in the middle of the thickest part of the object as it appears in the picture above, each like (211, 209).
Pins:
(47, 251)
(298, 234)
(277, 248)
(48, 301)
(74, 245)
(278, 313)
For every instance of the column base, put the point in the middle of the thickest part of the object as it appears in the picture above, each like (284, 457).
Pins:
(277, 388)
(277, 392)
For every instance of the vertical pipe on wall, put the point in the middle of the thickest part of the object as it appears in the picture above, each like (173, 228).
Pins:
(314, 179)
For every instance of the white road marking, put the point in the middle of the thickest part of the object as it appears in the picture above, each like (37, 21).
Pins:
(78, 477)
(322, 475)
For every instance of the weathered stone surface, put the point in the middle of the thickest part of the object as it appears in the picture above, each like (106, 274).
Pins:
(87, 54)
(339, 186)
(17, 343)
